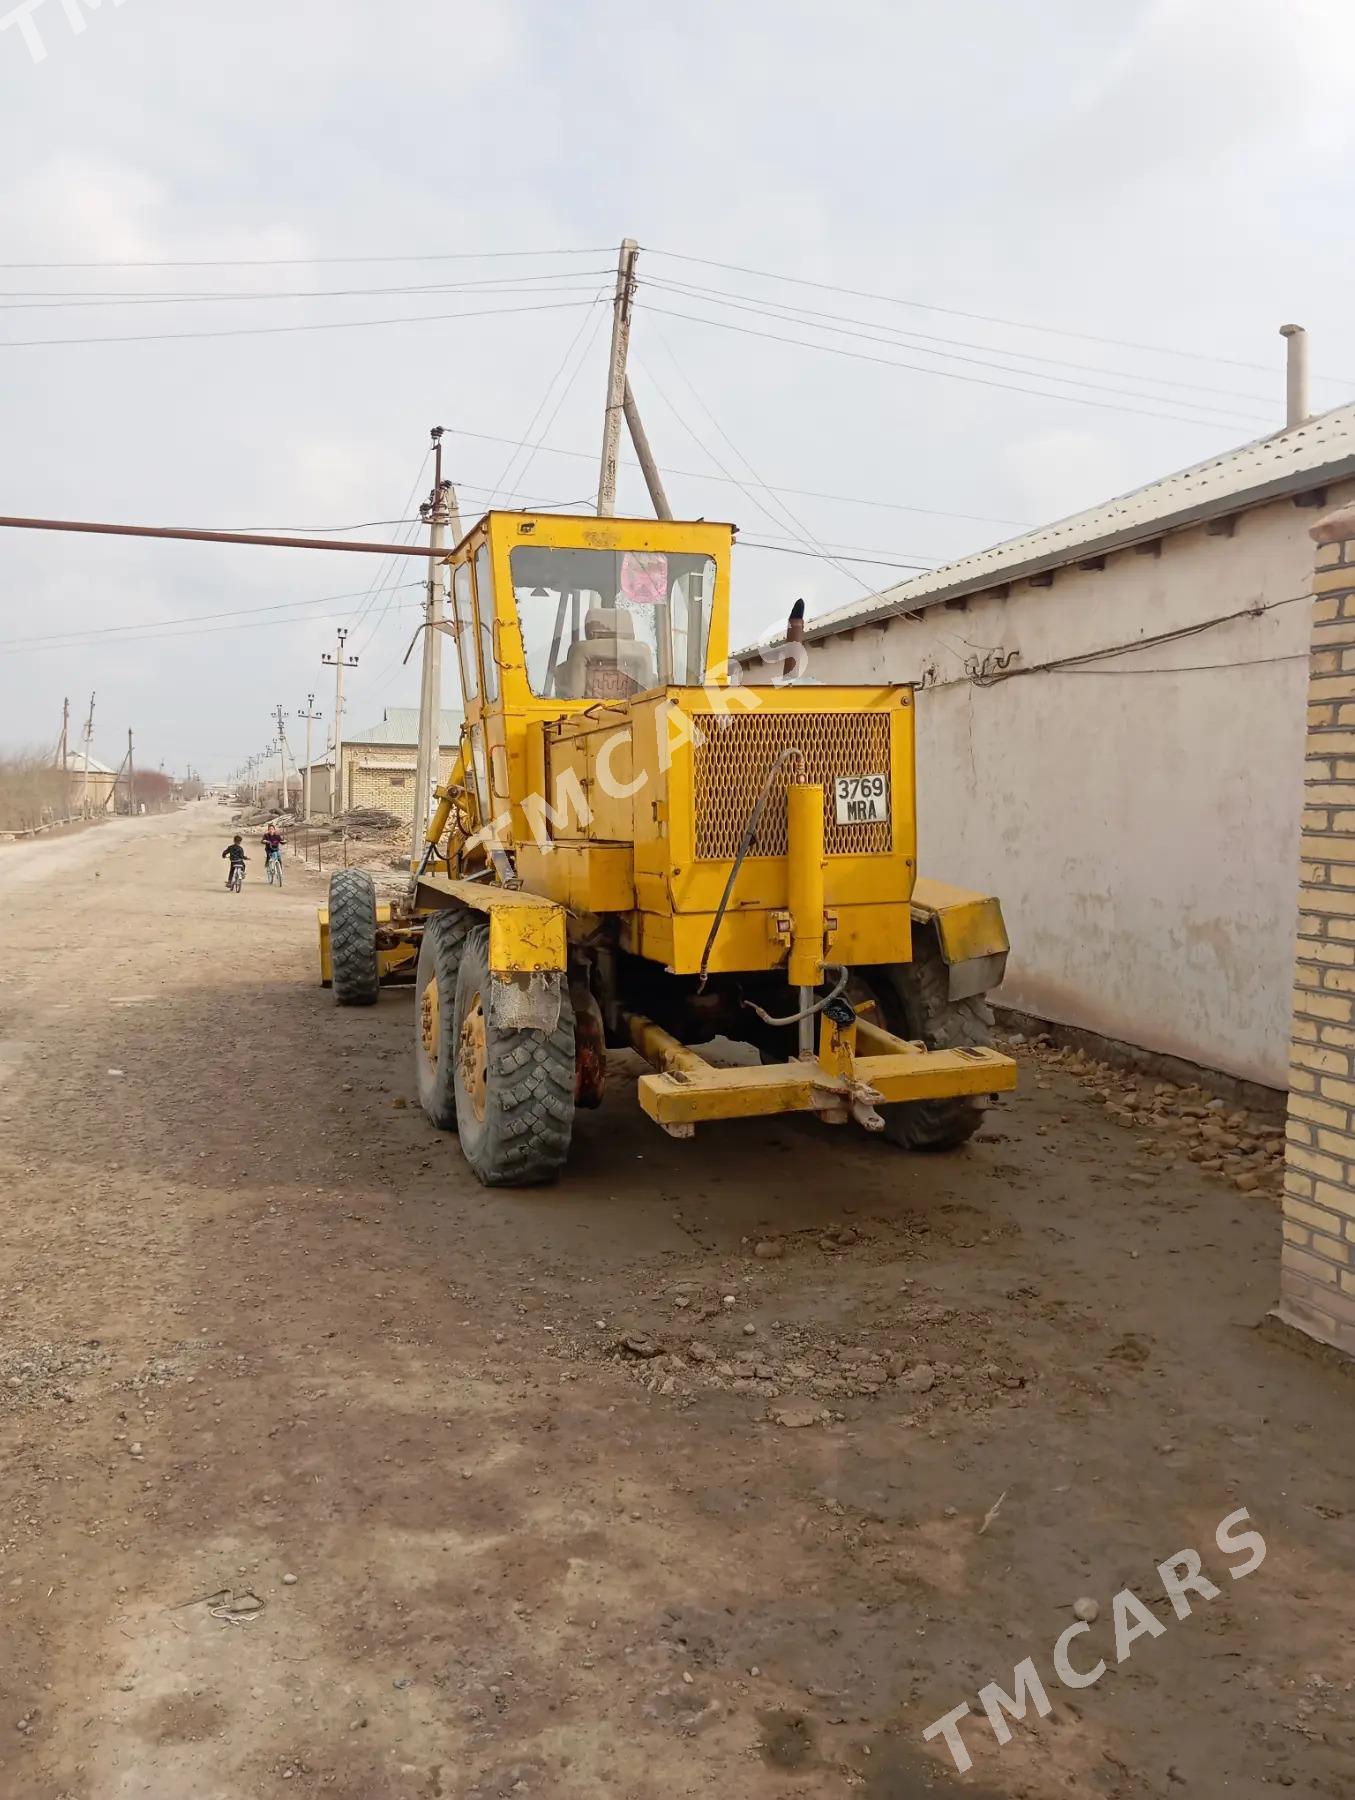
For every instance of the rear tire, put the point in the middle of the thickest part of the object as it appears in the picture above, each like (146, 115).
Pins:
(354, 970)
(914, 1001)
(514, 1089)
(444, 938)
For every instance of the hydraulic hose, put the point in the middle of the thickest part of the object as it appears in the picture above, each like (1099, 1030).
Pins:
(746, 842)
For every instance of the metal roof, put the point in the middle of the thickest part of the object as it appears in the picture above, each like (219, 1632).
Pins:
(1288, 462)
(400, 725)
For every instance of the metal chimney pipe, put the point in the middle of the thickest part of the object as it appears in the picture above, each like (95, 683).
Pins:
(1296, 411)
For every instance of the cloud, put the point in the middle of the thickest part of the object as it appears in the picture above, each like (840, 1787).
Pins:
(1165, 173)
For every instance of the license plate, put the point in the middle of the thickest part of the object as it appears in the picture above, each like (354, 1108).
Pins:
(861, 799)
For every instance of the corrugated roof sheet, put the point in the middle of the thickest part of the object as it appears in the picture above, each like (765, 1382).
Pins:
(400, 725)
(1287, 462)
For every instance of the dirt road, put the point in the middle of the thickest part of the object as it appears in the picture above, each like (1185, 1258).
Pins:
(325, 1471)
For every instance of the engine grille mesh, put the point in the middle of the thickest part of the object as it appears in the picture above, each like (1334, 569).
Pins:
(732, 763)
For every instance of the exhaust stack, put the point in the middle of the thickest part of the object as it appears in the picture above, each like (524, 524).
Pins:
(1296, 411)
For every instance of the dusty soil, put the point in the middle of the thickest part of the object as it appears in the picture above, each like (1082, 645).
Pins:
(325, 1471)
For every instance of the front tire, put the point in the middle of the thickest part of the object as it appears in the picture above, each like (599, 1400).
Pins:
(440, 948)
(354, 969)
(514, 1089)
(914, 1002)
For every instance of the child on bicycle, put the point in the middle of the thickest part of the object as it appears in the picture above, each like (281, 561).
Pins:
(236, 852)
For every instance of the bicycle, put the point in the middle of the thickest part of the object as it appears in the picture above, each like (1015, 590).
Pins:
(273, 867)
(235, 880)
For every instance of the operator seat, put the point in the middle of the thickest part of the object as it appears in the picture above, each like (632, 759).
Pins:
(609, 662)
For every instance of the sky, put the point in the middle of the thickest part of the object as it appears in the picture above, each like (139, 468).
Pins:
(1052, 244)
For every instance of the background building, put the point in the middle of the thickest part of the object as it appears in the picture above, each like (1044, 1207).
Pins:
(379, 764)
(1111, 715)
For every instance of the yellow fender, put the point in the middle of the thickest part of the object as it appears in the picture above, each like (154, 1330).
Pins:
(970, 930)
(528, 947)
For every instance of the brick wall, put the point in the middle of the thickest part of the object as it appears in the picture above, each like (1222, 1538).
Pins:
(1317, 1278)
(383, 775)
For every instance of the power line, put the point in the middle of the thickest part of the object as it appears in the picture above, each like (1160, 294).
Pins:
(797, 529)
(18, 645)
(743, 543)
(1242, 662)
(536, 503)
(1076, 664)
(544, 401)
(238, 612)
(565, 392)
(1228, 413)
(163, 337)
(513, 286)
(494, 284)
(386, 570)
(485, 437)
(914, 340)
(955, 312)
(888, 362)
(294, 262)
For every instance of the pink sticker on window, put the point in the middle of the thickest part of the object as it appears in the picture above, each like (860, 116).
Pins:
(644, 577)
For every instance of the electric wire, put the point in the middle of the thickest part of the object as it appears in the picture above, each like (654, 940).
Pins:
(169, 337)
(888, 362)
(921, 341)
(94, 633)
(485, 437)
(980, 318)
(570, 348)
(37, 301)
(296, 262)
(19, 647)
(797, 529)
(565, 392)
(743, 543)
(386, 564)
(1076, 663)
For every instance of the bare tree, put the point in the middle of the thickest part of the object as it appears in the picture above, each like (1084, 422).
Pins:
(32, 790)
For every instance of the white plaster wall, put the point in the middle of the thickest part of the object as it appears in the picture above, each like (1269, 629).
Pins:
(1140, 827)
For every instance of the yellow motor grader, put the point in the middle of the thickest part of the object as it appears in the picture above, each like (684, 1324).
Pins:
(637, 850)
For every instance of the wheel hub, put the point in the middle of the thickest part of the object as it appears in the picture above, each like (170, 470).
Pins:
(471, 1056)
(430, 1020)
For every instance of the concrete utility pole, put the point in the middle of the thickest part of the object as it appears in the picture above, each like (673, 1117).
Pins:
(649, 468)
(622, 307)
(438, 516)
(131, 777)
(340, 662)
(280, 715)
(310, 715)
(89, 733)
(63, 757)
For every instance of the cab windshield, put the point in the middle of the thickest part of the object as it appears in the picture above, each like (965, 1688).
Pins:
(604, 624)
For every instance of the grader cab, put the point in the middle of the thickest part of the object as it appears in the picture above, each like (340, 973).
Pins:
(635, 850)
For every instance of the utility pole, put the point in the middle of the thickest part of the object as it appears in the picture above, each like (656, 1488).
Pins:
(63, 757)
(622, 306)
(438, 511)
(310, 715)
(649, 468)
(131, 777)
(340, 662)
(279, 715)
(89, 733)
